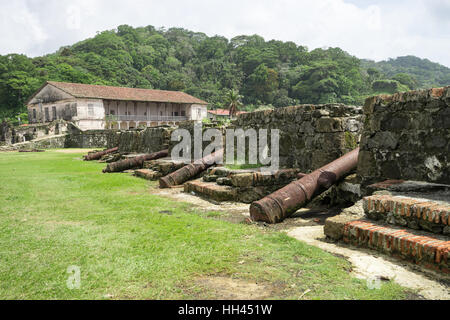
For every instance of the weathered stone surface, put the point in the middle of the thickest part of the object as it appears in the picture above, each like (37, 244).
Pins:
(145, 141)
(52, 142)
(190, 127)
(109, 158)
(13, 135)
(147, 174)
(429, 250)
(413, 211)
(249, 185)
(422, 248)
(242, 180)
(224, 181)
(210, 178)
(211, 190)
(5, 133)
(162, 167)
(406, 136)
(310, 135)
(344, 193)
(334, 226)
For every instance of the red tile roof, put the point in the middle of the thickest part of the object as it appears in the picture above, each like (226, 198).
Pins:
(224, 112)
(79, 90)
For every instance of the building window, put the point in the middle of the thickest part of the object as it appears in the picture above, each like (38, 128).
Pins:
(183, 113)
(90, 110)
(34, 114)
(54, 113)
(67, 114)
(74, 109)
(47, 115)
(112, 112)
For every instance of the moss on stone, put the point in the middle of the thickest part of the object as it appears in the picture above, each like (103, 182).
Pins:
(350, 140)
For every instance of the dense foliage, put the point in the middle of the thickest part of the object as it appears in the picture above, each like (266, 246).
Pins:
(412, 71)
(265, 73)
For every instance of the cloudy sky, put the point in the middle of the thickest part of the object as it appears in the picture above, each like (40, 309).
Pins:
(373, 29)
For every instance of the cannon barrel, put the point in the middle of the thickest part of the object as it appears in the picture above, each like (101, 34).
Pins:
(135, 162)
(191, 170)
(98, 155)
(281, 204)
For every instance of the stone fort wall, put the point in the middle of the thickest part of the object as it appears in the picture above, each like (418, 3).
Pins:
(406, 136)
(311, 136)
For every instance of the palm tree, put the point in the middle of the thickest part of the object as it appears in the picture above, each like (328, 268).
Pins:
(234, 102)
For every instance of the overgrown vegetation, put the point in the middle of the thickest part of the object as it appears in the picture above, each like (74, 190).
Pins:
(57, 211)
(272, 73)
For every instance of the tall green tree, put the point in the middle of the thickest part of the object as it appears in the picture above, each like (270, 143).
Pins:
(234, 101)
(270, 72)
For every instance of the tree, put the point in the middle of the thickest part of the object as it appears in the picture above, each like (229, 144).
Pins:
(374, 74)
(234, 102)
(406, 80)
(388, 86)
(266, 72)
(262, 83)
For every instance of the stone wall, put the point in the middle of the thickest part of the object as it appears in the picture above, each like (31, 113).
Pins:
(5, 133)
(310, 135)
(12, 135)
(91, 138)
(133, 141)
(406, 136)
(144, 141)
(190, 126)
(69, 135)
(50, 142)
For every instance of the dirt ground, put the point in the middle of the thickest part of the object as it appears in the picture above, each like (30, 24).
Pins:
(307, 225)
(227, 288)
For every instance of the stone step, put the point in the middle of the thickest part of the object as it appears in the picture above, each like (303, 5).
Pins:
(414, 213)
(422, 248)
(147, 174)
(211, 190)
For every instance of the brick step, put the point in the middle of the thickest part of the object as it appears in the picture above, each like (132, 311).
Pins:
(147, 174)
(414, 213)
(429, 250)
(211, 190)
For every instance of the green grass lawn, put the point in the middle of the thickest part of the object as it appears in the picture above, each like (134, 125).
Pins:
(57, 211)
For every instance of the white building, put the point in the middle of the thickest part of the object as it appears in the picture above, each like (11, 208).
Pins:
(105, 107)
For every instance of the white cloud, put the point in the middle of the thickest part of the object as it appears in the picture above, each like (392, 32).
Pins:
(19, 28)
(366, 28)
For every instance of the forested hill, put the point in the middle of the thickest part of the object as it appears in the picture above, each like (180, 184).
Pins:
(265, 72)
(425, 73)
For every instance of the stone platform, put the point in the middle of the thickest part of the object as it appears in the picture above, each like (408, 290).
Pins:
(428, 250)
(405, 219)
(246, 186)
(211, 190)
(414, 213)
(155, 169)
(147, 174)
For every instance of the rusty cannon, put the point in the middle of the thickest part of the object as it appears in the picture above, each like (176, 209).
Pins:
(281, 204)
(190, 171)
(136, 162)
(98, 155)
